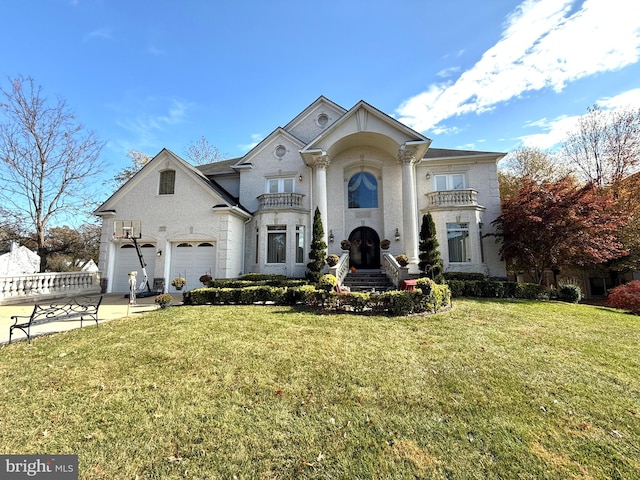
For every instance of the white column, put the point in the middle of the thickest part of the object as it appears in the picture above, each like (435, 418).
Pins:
(407, 157)
(320, 166)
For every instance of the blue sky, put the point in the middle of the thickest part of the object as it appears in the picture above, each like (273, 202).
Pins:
(487, 75)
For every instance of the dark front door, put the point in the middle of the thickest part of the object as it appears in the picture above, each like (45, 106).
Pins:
(365, 248)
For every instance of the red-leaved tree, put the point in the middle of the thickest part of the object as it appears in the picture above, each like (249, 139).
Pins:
(547, 225)
(626, 297)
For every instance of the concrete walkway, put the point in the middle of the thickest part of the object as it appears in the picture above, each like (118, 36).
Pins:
(113, 306)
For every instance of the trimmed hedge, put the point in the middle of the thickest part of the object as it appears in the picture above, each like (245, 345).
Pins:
(495, 289)
(393, 303)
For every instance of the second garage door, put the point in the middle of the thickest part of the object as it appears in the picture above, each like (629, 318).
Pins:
(191, 260)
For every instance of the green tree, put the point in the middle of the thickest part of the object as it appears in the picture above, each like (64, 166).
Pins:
(430, 263)
(318, 251)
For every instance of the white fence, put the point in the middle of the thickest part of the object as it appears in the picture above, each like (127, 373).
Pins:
(44, 286)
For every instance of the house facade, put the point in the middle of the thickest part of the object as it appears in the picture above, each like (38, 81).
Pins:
(371, 177)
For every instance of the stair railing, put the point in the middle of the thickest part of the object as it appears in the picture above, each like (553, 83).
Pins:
(394, 271)
(340, 269)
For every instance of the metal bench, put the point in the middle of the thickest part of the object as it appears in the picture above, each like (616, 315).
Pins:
(81, 307)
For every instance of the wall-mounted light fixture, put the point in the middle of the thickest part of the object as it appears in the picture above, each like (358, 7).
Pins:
(331, 237)
(300, 177)
(397, 235)
(159, 253)
(428, 175)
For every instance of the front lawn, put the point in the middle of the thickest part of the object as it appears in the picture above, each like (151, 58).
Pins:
(490, 389)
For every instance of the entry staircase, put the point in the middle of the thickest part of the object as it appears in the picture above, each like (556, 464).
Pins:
(368, 281)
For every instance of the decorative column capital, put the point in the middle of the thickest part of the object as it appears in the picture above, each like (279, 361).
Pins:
(408, 155)
(321, 162)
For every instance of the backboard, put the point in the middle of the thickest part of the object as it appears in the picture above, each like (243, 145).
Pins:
(126, 229)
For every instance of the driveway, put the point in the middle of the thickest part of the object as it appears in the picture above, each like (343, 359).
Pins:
(113, 306)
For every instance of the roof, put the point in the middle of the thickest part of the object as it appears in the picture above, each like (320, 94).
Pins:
(450, 153)
(222, 167)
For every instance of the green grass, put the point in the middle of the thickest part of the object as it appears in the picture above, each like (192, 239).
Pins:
(488, 390)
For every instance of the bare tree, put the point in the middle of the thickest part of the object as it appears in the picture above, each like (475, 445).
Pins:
(138, 160)
(530, 163)
(605, 148)
(49, 159)
(202, 152)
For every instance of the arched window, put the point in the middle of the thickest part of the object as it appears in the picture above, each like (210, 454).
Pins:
(363, 191)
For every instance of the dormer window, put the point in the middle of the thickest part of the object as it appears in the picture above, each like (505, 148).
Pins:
(167, 182)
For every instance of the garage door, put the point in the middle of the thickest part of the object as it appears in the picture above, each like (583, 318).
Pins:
(191, 260)
(127, 261)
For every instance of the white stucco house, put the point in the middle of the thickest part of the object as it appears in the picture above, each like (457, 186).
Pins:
(371, 177)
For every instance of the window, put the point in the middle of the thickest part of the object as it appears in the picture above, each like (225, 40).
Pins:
(167, 182)
(363, 191)
(449, 182)
(276, 243)
(280, 185)
(299, 243)
(458, 242)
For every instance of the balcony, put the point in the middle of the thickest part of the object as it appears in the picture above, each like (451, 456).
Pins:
(452, 199)
(282, 201)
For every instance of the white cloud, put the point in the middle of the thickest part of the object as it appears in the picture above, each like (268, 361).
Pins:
(145, 126)
(555, 131)
(256, 138)
(545, 44)
(103, 32)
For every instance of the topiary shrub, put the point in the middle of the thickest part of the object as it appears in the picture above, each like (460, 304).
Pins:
(327, 282)
(626, 297)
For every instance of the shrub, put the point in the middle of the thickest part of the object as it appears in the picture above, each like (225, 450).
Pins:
(256, 277)
(463, 276)
(327, 282)
(164, 299)
(401, 302)
(528, 291)
(569, 293)
(357, 300)
(425, 284)
(626, 297)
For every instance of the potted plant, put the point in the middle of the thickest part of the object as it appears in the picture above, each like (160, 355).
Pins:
(205, 279)
(332, 260)
(178, 283)
(385, 244)
(164, 300)
(402, 260)
(345, 244)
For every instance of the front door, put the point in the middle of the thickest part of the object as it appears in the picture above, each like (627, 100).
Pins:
(365, 248)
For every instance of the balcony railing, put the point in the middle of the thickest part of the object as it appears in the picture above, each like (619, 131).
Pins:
(280, 200)
(452, 198)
